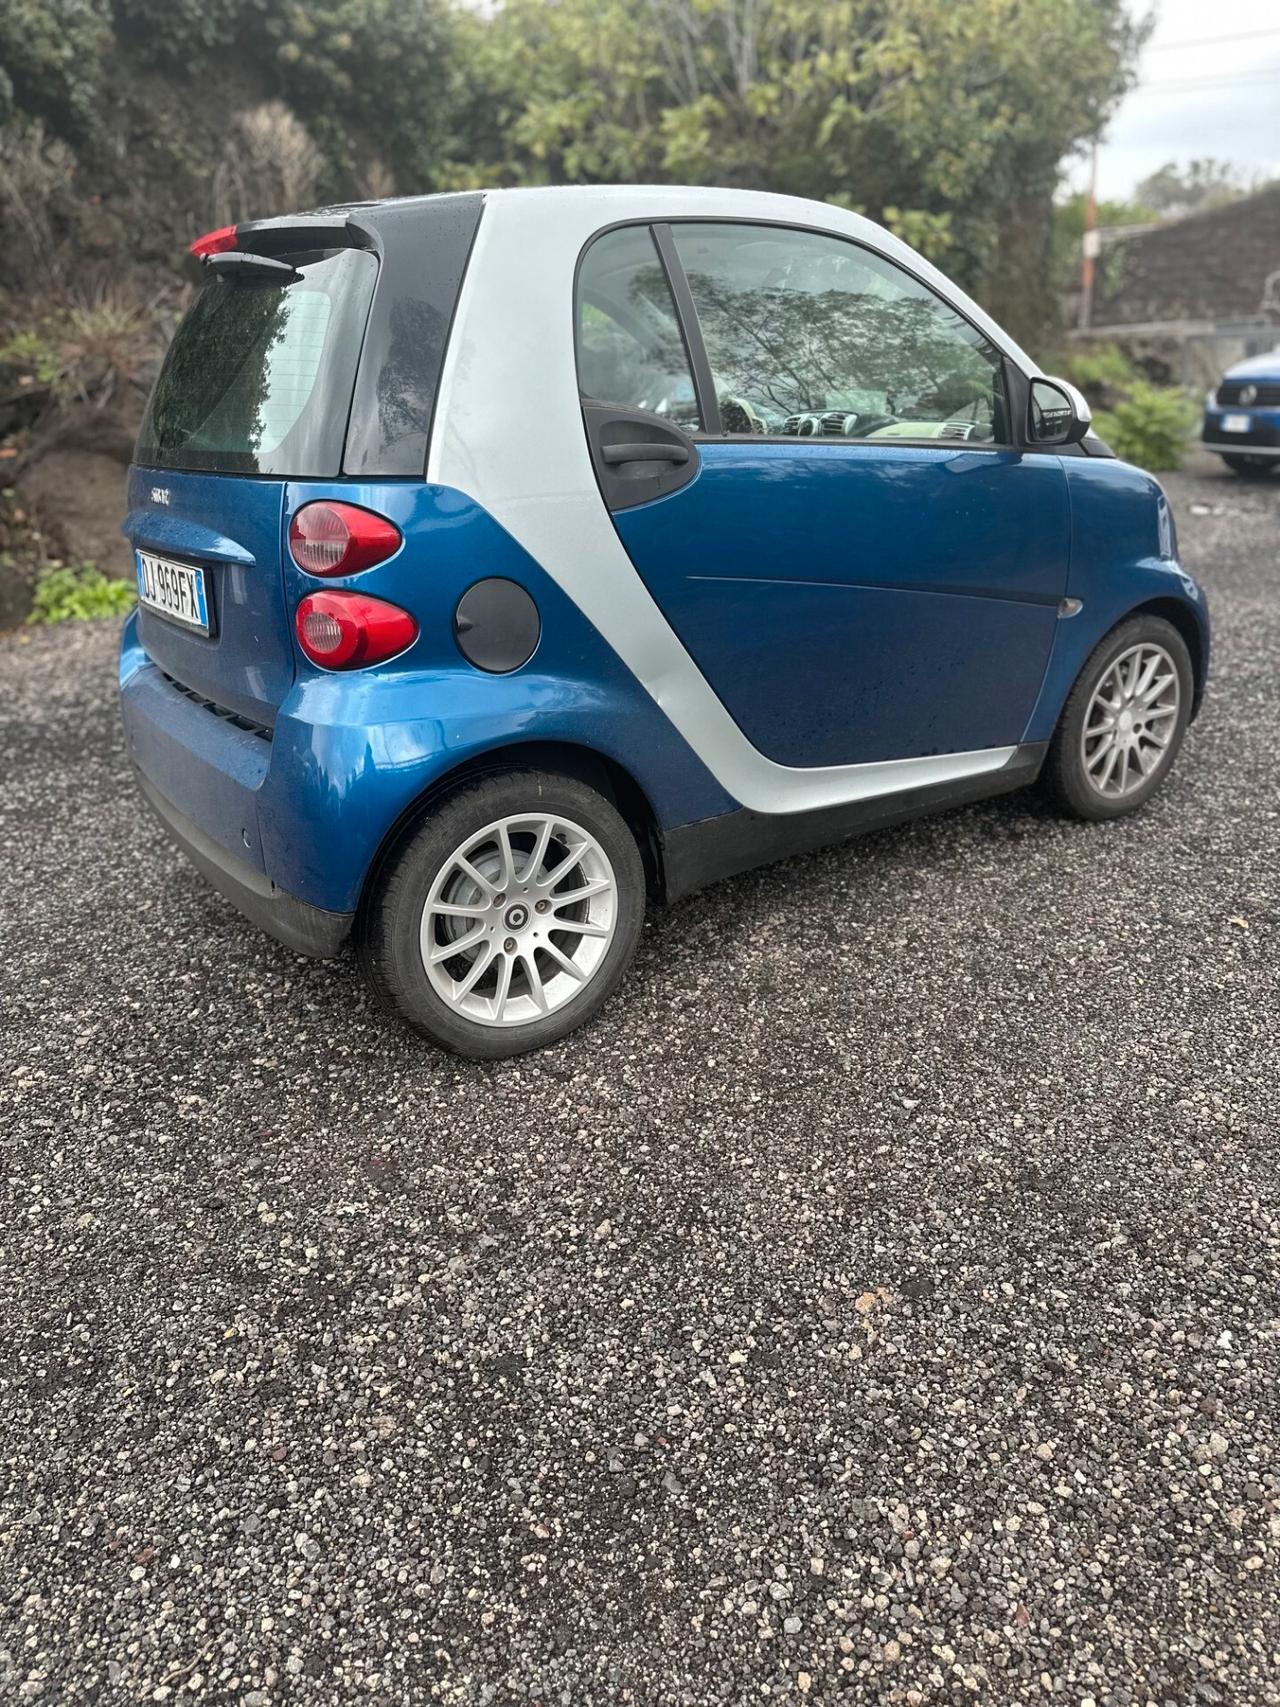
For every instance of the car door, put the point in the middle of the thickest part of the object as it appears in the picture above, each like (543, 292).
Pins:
(809, 459)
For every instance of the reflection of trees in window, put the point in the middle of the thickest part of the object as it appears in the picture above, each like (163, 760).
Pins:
(630, 351)
(404, 402)
(788, 351)
(213, 386)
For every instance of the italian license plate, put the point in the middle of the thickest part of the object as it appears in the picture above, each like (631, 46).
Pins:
(174, 590)
(1236, 423)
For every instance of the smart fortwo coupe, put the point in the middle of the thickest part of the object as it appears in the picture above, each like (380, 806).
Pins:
(507, 559)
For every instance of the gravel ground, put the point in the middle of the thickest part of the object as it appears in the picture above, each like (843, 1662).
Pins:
(880, 1304)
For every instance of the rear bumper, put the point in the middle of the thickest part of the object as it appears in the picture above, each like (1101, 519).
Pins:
(297, 924)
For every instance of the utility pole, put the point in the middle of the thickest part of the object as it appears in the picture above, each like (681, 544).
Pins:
(1090, 244)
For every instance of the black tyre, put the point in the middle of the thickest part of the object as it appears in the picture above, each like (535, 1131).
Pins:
(1123, 722)
(1251, 467)
(509, 917)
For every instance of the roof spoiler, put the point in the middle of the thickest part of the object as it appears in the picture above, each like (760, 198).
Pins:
(284, 235)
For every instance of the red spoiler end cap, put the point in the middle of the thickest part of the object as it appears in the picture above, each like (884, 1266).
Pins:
(215, 242)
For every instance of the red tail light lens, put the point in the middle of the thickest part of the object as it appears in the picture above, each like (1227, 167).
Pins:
(344, 631)
(218, 242)
(340, 539)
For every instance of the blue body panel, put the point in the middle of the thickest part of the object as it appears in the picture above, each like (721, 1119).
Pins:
(350, 752)
(233, 527)
(1116, 566)
(836, 596)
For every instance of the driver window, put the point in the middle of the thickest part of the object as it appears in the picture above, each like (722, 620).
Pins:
(812, 336)
(630, 349)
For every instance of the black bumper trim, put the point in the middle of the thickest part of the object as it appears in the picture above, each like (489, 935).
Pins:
(694, 855)
(297, 924)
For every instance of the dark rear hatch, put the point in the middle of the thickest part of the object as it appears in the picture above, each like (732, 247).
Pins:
(257, 383)
(318, 364)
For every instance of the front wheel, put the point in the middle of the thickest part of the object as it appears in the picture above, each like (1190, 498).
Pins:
(1123, 722)
(509, 918)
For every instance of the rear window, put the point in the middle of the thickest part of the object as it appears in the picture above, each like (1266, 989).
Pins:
(259, 377)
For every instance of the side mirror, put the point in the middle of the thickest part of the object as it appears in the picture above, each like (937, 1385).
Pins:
(1059, 415)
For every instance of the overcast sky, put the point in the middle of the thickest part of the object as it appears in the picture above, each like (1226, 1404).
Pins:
(1219, 95)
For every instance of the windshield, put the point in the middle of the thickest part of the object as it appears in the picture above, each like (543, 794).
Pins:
(259, 377)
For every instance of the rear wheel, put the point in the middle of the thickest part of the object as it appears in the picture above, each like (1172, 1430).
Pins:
(1123, 722)
(1251, 467)
(510, 917)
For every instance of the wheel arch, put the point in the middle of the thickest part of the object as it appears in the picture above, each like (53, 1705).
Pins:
(598, 771)
(1184, 619)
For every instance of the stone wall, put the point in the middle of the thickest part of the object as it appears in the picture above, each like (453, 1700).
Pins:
(1213, 266)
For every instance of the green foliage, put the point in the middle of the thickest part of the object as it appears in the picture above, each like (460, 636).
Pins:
(1175, 192)
(1150, 427)
(1100, 370)
(33, 355)
(949, 121)
(182, 32)
(1146, 424)
(1069, 218)
(1068, 231)
(79, 592)
(364, 76)
(946, 121)
(85, 351)
(377, 67)
(51, 55)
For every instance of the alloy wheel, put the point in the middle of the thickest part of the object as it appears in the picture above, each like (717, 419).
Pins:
(1131, 720)
(519, 919)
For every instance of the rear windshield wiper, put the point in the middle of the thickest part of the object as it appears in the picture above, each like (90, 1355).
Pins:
(239, 264)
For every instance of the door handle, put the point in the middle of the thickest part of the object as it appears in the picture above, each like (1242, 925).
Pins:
(648, 452)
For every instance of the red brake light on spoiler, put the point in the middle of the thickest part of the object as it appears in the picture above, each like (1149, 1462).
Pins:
(219, 242)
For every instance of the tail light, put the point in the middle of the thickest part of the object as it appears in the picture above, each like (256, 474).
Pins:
(340, 539)
(219, 242)
(343, 631)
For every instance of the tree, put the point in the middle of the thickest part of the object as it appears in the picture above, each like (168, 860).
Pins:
(51, 54)
(945, 121)
(1175, 192)
(365, 77)
(369, 71)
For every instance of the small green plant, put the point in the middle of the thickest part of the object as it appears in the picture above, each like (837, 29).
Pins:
(1151, 426)
(34, 353)
(78, 593)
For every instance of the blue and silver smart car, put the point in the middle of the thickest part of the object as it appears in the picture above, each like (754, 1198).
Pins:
(508, 560)
(1242, 416)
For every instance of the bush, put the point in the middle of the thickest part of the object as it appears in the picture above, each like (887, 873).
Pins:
(90, 346)
(1150, 427)
(1102, 373)
(269, 165)
(1144, 423)
(79, 593)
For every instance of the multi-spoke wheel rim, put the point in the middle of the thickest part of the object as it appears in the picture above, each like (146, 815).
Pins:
(519, 919)
(1131, 721)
